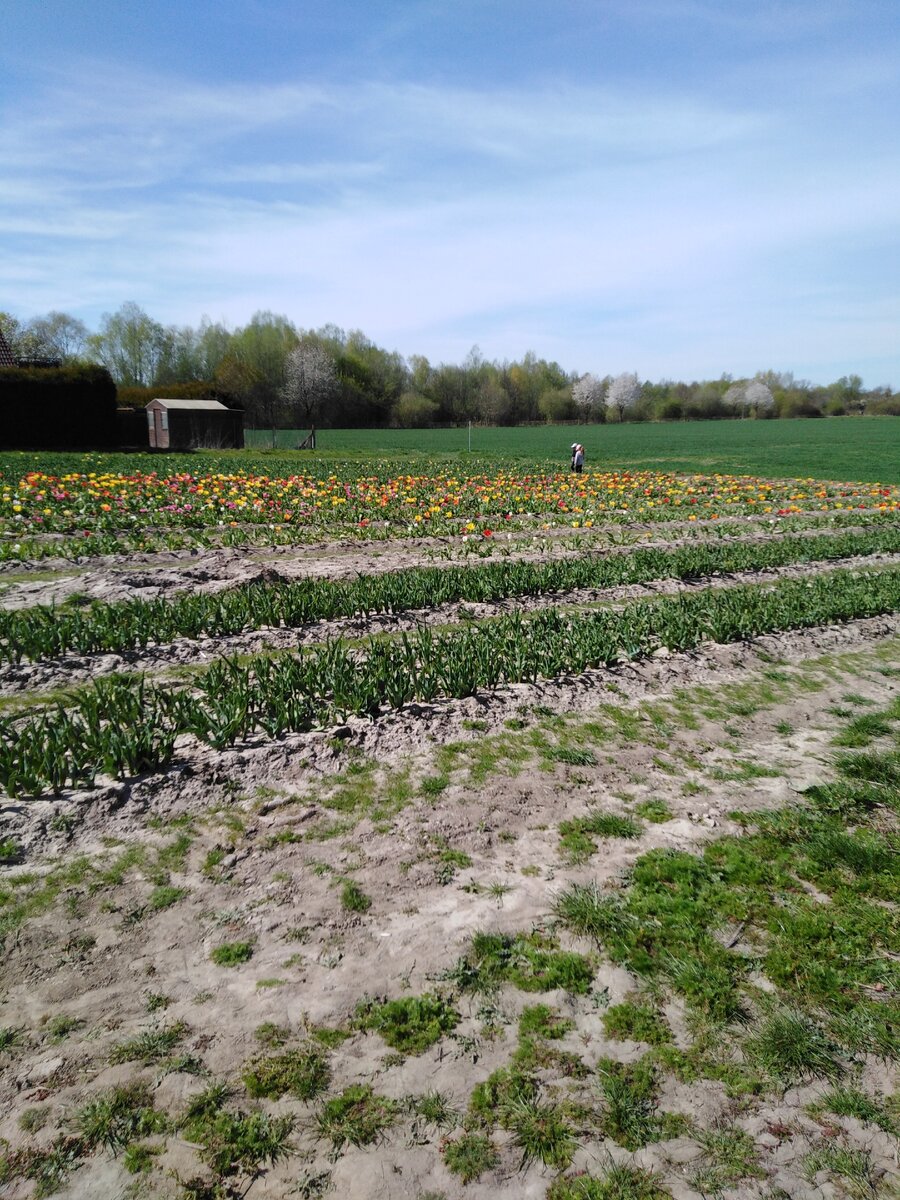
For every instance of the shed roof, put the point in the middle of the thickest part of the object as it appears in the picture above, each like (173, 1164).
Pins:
(195, 405)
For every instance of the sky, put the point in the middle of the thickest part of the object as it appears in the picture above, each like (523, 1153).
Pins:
(681, 188)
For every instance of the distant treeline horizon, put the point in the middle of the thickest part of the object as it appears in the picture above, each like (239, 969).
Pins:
(285, 376)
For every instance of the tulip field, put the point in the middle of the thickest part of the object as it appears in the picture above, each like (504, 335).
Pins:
(447, 828)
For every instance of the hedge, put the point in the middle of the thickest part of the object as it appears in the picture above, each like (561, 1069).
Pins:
(61, 407)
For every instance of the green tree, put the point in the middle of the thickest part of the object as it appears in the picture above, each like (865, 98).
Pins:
(130, 344)
(849, 391)
(253, 369)
(414, 411)
(17, 335)
(372, 380)
(556, 404)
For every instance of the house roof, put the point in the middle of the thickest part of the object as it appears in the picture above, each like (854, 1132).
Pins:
(6, 355)
(195, 405)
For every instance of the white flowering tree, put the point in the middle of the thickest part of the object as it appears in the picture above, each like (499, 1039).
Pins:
(750, 396)
(622, 393)
(587, 394)
(758, 396)
(309, 380)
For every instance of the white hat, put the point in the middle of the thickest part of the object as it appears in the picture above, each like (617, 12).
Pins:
(574, 445)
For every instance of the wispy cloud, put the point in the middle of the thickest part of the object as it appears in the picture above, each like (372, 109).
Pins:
(653, 223)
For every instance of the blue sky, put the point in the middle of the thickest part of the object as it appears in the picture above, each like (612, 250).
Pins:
(677, 187)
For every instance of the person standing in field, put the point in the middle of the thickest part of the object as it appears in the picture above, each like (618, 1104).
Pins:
(578, 459)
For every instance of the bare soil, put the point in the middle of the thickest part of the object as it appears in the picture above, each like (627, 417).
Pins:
(272, 831)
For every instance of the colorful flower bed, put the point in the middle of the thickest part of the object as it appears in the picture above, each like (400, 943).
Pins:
(97, 502)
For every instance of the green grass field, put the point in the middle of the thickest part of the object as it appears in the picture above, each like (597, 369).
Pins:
(852, 448)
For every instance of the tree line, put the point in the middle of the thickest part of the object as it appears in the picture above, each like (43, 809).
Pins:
(285, 376)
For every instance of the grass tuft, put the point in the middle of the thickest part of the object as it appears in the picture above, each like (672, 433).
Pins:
(845, 1101)
(410, 1024)
(150, 1046)
(729, 1156)
(470, 1156)
(119, 1116)
(789, 1046)
(302, 1073)
(358, 1116)
(630, 1114)
(232, 954)
(854, 1169)
(353, 898)
(541, 1132)
(620, 1182)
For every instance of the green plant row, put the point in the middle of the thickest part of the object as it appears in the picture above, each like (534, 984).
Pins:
(120, 727)
(44, 632)
(124, 726)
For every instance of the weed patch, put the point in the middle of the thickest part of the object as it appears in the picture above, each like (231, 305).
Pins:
(655, 811)
(358, 1116)
(531, 962)
(470, 1156)
(232, 954)
(577, 838)
(620, 1182)
(637, 1020)
(411, 1024)
(539, 1020)
(302, 1073)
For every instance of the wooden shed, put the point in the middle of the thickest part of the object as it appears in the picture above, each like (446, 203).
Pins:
(194, 425)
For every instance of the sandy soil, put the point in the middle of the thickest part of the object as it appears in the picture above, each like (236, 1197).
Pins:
(270, 832)
(124, 576)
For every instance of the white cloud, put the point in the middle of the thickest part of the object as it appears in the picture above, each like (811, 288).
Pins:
(569, 217)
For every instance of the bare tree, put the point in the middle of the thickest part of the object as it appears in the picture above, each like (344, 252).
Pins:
(587, 393)
(622, 393)
(309, 381)
(59, 335)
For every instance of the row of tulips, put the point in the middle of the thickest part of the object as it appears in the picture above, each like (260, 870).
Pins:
(112, 499)
(45, 632)
(126, 726)
(17, 546)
